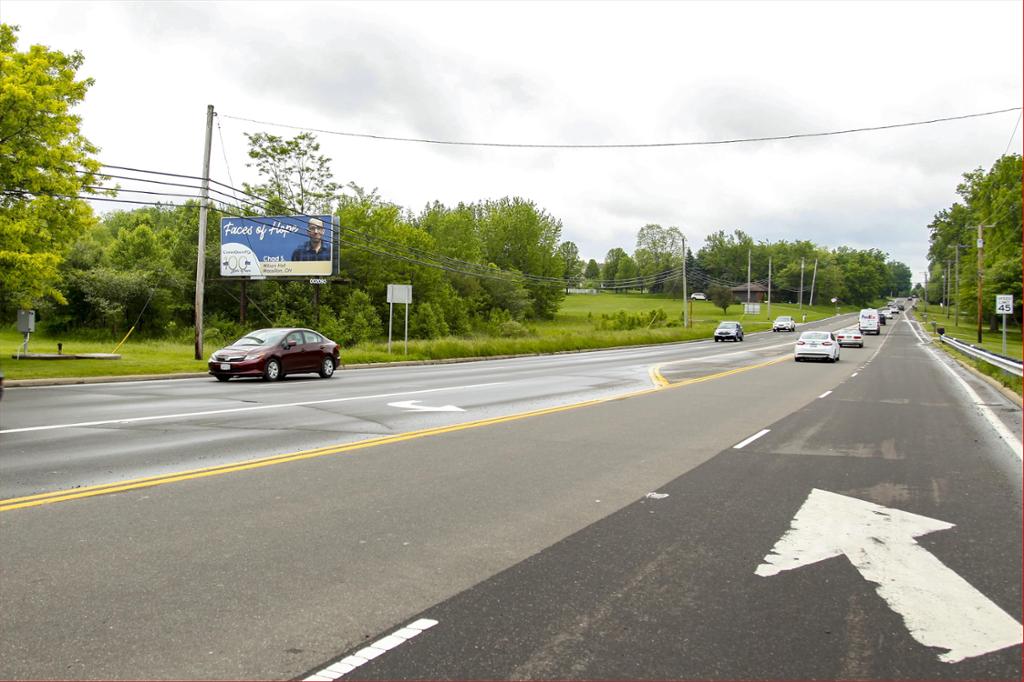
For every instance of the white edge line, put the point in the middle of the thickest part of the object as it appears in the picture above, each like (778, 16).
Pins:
(855, 374)
(1015, 445)
(825, 394)
(230, 410)
(750, 440)
(382, 645)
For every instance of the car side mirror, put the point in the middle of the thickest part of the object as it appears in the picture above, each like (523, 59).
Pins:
(288, 344)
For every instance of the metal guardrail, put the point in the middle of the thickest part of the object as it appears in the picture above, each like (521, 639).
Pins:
(1001, 361)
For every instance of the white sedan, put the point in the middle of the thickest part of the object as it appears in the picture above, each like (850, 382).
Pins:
(850, 337)
(817, 345)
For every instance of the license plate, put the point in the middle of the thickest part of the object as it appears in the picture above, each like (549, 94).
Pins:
(225, 365)
(814, 345)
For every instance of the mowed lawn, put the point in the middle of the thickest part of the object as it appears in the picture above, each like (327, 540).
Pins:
(577, 326)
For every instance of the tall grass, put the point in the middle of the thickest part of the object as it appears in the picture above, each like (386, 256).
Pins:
(576, 327)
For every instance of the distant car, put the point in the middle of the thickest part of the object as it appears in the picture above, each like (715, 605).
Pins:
(273, 353)
(817, 345)
(697, 296)
(729, 331)
(850, 337)
(901, 306)
(893, 310)
(883, 315)
(784, 323)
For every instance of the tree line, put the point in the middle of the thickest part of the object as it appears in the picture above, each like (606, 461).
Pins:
(992, 200)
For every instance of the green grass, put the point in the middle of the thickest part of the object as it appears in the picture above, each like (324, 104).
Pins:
(573, 329)
(967, 331)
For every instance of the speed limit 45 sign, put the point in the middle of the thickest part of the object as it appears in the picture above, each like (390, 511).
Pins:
(1004, 304)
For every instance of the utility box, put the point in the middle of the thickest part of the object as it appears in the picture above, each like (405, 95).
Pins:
(27, 321)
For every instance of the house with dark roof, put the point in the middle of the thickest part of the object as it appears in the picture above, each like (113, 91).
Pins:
(758, 292)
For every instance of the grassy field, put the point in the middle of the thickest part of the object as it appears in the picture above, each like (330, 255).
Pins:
(575, 327)
(967, 331)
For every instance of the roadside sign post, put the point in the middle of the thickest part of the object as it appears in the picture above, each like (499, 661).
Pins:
(1004, 307)
(399, 293)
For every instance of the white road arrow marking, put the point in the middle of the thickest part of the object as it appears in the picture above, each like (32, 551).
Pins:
(412, 405)
(940, 608)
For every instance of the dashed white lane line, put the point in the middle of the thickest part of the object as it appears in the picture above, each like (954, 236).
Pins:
(750, 440)
(382, 645)
(855, 374)
(825, 394)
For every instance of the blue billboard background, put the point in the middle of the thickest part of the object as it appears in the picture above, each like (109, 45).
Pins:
(277, 246)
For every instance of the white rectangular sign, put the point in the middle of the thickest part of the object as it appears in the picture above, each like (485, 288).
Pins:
(399, 293)
(751, 308)
(1004, 304)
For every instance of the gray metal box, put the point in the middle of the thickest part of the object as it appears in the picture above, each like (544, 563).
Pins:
(26, 321)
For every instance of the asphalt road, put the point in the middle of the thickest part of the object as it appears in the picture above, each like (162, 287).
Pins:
(64, 437)
(531, 542)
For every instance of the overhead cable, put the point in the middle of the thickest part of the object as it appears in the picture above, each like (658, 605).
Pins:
(642, 145)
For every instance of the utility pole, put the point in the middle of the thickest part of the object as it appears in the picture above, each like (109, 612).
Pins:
(981, 274)
(686, 299)
(813, 277)
(801, 284)
(748, 276)
(956, 291)
(925, 288)
(949, 284)
(204, 208)
(769, 287)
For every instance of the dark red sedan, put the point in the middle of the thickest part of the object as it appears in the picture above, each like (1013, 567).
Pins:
(273, 353)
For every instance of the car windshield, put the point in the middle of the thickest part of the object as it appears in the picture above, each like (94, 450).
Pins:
(728, 325)
(262, 337)
(784, 318)
(814, 336)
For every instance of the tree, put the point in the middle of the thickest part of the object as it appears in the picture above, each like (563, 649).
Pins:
(298, 178)
(593, 270)
(611, 264)
(570, 255)
(45, 163)
(721, 296)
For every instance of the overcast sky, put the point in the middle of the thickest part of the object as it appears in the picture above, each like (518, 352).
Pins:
(574, 73)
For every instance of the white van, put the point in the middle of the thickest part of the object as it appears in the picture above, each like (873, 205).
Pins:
(869, 321)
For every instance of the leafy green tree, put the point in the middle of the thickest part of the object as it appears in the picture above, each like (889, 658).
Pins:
(426, 322)
(519, 236)
(573, 268)
(659, 249)
(721, 296)
(592, 271)
(610, 272)
(297, 178)
(45, 163)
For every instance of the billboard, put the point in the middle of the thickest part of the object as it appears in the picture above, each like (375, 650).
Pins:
(277, 246)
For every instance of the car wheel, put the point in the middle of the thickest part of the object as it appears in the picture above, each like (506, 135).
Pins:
(327, 368)
(716, 339)
(222, 377)
(272, 370)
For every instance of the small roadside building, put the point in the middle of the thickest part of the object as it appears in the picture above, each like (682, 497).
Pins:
(758, 293)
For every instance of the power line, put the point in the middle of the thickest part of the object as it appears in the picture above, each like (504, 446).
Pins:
(647, 145)
(1012, 134)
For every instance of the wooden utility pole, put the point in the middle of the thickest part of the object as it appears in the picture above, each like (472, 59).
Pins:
(981, 275)
(204, 208)
(810, 302)
(686, 300)
(801, 284)
(748, 276)
(769, 287)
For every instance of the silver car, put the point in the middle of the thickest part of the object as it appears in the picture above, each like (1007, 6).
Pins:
(784, 323)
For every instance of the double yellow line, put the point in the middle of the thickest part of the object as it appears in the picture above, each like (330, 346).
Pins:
(135, 484)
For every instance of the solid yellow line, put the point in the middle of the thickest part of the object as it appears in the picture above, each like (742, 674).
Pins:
(135, 484)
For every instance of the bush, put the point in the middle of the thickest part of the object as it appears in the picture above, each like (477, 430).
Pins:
(510, 329)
